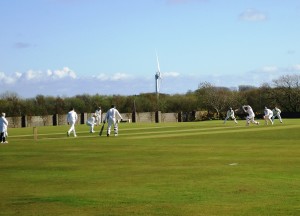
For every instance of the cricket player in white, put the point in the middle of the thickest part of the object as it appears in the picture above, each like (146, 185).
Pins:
(3, 128)
(72, 119)
(250, 118)
(230, 114)
(111, 118)
(268, 116)
(91, 122)
(98, 114)
(276, 112)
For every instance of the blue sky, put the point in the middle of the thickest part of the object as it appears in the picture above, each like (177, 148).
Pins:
(70, 47)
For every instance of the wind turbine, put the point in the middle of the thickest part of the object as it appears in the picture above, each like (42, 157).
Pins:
(157, 78)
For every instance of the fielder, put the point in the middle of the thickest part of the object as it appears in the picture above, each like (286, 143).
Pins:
(91, 122)
(71, 119)
(3, 128)
(250, 118)
(276, 112)
(111, 118)
(230, 114)
(98, 114)
(268, 116)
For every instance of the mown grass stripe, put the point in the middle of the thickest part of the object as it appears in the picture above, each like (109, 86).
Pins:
(218, 130)
(165, 132)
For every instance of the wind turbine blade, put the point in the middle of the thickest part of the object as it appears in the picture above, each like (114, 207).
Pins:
(158, 67)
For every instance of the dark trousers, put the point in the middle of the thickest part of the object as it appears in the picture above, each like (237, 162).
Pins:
(2, 137)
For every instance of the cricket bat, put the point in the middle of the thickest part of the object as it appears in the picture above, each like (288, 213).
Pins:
(101, 130)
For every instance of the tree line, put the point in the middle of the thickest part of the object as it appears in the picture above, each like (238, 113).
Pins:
(283, 93)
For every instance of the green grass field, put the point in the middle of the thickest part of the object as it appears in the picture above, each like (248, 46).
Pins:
(199, 168)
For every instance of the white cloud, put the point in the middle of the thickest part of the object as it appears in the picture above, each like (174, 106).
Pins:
(102, 77)
(253, 15)
(18, 75)
(296, 68)
(64, 82)
(270, 69)
(279, 70)
(113, 77)
(6, 79)
(170, 74)
(33, 75)
(120, 76)
(59, 74)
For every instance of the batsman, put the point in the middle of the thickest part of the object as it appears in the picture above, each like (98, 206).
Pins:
(112, 116)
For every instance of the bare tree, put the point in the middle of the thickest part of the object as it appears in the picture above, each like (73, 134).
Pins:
(11, 104)
(213, 98)
(287, 92)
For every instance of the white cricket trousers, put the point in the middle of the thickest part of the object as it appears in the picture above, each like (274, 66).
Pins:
(91, 126)
(268, 118)
(112, 122)
(72, 128)
(278, 116)
(251, 119)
